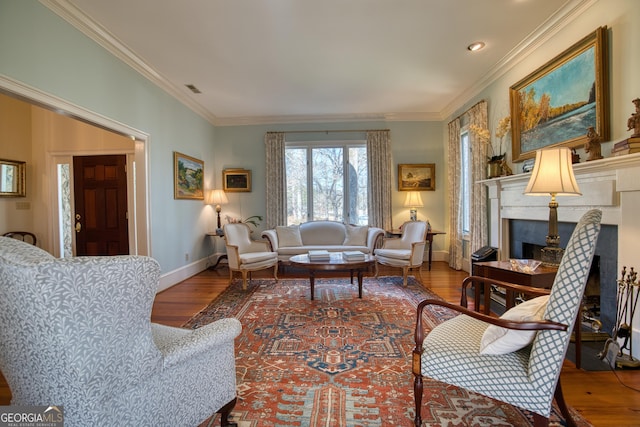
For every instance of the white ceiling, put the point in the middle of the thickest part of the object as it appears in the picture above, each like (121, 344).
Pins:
(275, 61)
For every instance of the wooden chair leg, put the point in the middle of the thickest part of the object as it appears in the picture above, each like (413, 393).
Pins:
(417, 397)
(225, 411)
(275, 272)
(420, 273)
(244, 280)
(540, 421)
(564, 409)
(376, 269)
(405, 273)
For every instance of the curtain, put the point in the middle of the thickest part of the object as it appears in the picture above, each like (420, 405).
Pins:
(380, 177)
(276, 210)
(478, 223)
(455, 199)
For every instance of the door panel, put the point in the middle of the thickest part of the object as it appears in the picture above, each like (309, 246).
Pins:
(100, 187)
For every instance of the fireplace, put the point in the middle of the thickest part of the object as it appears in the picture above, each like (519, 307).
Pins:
(612, 185)
(527, 238)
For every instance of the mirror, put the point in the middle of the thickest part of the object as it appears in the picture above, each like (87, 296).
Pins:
(12, 178)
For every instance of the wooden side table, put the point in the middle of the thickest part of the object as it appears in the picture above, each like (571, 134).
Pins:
(220, 256)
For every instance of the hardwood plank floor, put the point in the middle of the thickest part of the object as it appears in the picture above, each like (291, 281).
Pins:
(603, 398)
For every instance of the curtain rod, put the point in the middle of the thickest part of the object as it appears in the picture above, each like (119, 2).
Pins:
(327, 131)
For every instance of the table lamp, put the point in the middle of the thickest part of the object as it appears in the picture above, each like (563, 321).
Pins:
(413, 201)
(218, 198)
(552, 175)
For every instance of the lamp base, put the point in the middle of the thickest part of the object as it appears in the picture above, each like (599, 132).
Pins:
(551, 256)
(413, 215)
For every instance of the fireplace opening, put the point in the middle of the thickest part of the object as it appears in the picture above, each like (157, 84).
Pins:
(591, 322)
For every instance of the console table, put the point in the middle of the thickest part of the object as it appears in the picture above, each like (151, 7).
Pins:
(429, 238)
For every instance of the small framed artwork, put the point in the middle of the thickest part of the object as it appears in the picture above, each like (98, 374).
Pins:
(236, 180)
(188, 177)
(556, 104)
(417, 177)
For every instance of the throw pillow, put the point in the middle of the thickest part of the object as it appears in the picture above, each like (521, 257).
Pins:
(356, 235)
(498, 340)
(289, 235)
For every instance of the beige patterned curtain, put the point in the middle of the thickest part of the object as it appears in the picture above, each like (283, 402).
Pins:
(455, 199)
(380, 178)
(276, 213)
(479, 229)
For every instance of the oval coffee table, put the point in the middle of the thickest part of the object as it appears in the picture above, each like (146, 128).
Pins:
(334, 263)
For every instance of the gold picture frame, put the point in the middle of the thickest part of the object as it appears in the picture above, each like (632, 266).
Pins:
(556, 104)
(417, 177)
(188, 177)
(236, 180)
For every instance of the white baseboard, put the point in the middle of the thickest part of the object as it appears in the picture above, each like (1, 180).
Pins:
(174, 277)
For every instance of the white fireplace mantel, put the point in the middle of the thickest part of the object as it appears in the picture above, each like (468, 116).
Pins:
(611, 185)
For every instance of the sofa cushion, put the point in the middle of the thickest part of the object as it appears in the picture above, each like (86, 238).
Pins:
(356, 235)
(322, 233)
(289, 235)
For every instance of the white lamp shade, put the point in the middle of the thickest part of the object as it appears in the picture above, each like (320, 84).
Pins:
(217, 197)
(413, 200)
(553, 174)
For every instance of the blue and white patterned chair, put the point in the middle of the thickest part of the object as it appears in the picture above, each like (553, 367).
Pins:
(76, 332)
(527, 378)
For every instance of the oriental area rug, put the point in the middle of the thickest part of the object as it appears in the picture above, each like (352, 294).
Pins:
(340, 361)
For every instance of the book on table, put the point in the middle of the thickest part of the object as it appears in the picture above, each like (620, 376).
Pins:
(319, 255)
(353, 256)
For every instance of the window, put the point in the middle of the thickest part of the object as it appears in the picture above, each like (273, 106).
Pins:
(327, 181)
(465, 181)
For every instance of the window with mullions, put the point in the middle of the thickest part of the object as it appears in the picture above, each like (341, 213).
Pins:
(327, 181)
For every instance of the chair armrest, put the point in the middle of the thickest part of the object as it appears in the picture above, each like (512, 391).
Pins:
(258, 246)
(509, 324)
(272, 238)
(233, 256)
(375, 236)
(200, 340)
(392, 243)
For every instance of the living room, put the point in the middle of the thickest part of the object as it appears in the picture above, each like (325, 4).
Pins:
(47, 61)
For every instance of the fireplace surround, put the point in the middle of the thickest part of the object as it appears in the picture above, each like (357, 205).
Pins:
(612, 185)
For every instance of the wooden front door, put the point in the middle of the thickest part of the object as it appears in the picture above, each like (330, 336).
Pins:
(100, 187)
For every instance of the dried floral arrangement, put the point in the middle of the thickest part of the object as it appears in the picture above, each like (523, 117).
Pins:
(484, 137)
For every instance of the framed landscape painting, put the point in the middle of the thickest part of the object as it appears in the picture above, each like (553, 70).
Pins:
(556, 104)
(188, 177)
(417, 177)
(236, 180)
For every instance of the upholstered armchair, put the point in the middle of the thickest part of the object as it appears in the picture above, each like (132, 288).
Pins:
(406, 251)
(246, 255)
(76, 332)
(515, 358)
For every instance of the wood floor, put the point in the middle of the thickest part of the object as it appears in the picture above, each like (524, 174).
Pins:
(604, 398)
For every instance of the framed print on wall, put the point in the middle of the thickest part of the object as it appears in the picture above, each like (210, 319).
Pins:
(236, 180)
(188, 177)
(556, 104)
(417, 177)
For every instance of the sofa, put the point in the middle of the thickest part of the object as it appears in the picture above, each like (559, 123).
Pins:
(332, 236)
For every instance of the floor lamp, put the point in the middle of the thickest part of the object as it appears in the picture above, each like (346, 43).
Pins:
(552, 175)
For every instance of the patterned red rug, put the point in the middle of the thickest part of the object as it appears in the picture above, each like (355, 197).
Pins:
(340, 361)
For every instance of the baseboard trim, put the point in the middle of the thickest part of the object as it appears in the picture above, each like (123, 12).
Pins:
(176, 276)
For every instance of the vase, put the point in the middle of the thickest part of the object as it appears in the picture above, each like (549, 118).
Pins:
(494, 168)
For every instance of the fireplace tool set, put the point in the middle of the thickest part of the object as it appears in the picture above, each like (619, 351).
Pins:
(628, 292)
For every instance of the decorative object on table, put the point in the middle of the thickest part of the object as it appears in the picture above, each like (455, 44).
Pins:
(575, 157)
(319, 255)
(524, 265)
(236, 180)
(496, 160)
(188, 177)
(592, 146)
(218, 198)
(553, 175)
(413, 202)
(353, 256)
(553, 105)
(12, 178)
(634, 121)
(627, 296)
(417, 177)
(527, 165)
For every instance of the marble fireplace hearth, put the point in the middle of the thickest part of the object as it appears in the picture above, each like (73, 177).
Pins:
(611, 185)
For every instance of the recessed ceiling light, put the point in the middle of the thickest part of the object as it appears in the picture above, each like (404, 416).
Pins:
(475, 46)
